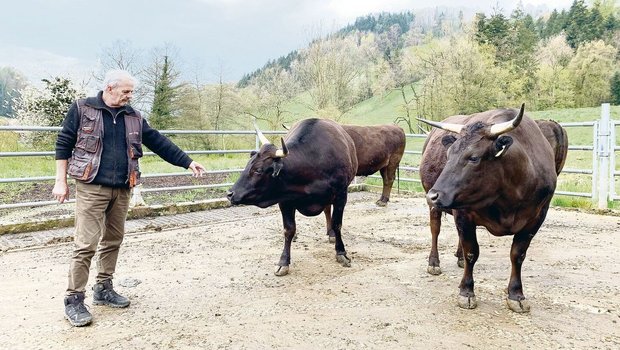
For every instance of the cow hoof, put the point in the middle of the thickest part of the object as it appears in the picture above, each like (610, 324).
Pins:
(467, 302)
(519, 306)
(381, 203)
(433, 270)
(281, 271)
(343, 260)
(332, 239)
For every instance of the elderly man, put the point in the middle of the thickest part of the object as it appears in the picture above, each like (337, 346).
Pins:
(99, 146)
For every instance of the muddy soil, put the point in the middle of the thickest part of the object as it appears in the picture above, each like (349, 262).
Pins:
(212, 287)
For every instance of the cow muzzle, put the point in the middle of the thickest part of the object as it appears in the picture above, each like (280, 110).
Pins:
(231, 197)
(438, 199)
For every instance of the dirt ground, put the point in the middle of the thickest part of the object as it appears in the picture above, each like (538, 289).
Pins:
(212, 287)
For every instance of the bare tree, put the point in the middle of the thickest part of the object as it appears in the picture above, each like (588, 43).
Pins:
(328, 70)
(459, 77)
(274, 88)
(121, 54)
(591, 70)
(554, 85)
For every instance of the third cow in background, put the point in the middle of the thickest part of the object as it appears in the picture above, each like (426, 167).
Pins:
(378, 148)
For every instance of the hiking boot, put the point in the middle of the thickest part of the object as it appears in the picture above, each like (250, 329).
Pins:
(104, 294)
(75, 311)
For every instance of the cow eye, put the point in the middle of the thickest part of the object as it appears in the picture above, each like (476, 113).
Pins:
(258, 172)
(474, 159)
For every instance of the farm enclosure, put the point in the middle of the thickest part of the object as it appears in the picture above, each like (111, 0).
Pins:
(210, 285)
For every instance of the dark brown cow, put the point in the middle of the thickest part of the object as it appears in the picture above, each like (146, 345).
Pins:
(378, 148)
(313, 170)
(496, 169)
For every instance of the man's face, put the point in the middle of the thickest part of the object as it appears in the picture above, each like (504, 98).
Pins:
(120, 95)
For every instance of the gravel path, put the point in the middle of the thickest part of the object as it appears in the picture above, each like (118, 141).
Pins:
(205, 281)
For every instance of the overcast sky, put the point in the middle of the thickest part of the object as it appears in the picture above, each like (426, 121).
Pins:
(44, 38)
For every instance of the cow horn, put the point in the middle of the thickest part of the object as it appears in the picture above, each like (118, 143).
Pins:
(282, 153)
(445, 126)
(498, 129)
(261, 137)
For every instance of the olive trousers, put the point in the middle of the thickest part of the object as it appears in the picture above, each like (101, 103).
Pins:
(100, 214)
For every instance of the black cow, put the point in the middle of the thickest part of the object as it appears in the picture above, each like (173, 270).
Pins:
(313, 170)
(496, 169)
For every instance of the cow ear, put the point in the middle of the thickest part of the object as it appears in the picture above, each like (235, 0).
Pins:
(277, 166)
(448, 140)
(501, 145)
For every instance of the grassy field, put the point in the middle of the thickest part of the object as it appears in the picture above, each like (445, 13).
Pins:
(377, 110)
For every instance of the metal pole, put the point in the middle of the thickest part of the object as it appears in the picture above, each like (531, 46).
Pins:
(612, 161)
(603, 157)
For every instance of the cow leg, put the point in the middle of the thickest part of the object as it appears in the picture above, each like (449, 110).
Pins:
(516, 300)
(467, 236)
(520, 243)
(433, 259)
(341, 254)
(388, 181)
(460, 260)
(288, 221)
(328, 224)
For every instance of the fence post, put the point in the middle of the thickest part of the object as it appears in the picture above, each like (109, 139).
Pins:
(602, 155)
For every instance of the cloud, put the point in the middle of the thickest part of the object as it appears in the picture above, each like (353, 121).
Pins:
(37, 64)
(348, 9)
(50, 40)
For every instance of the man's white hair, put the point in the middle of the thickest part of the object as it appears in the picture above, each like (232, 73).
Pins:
(115, 76)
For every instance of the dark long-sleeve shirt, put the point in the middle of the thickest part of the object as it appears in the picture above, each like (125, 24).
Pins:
(114, 158)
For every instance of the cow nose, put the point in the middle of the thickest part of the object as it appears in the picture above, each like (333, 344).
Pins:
(229, 195)
(432, 196)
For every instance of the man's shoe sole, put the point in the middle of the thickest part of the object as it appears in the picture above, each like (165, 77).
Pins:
(107, 303)
(78, 324)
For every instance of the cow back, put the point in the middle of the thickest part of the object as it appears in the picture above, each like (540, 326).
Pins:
(376, 146)
(557, 138)
(321, 148)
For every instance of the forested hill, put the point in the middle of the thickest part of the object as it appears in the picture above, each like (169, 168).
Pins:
(379, 24)
(449, 62)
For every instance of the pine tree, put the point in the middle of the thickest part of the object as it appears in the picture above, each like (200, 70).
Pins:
(161, 113)
(578, 28)
(615, 89)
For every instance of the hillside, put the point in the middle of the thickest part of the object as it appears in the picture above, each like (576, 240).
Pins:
(396, 67)
(385, 109)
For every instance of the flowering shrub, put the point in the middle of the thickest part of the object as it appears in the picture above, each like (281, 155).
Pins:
(45, 107)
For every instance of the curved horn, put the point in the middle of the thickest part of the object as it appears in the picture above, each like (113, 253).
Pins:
(282, 153)
(261, 137)
(498, 129)
(445, 126)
